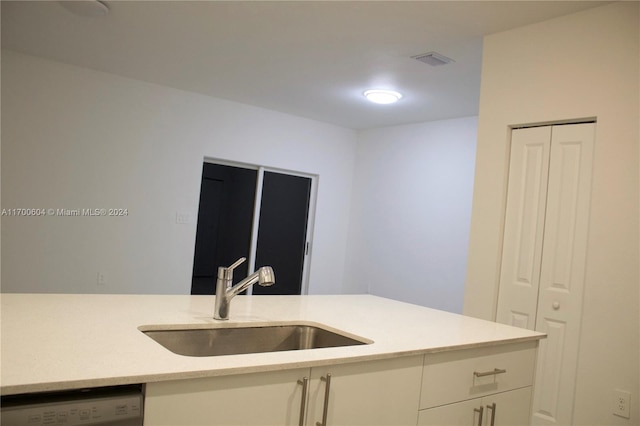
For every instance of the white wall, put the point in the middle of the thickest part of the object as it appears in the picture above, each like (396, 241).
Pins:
(409, 226)
(581, 65)
(76, 138)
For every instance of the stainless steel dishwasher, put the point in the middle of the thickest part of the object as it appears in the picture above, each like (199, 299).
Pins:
(112, 406)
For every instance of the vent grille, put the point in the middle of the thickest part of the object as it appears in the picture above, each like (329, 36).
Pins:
(433, 58)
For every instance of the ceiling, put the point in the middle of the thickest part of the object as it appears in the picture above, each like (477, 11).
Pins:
(308, 58)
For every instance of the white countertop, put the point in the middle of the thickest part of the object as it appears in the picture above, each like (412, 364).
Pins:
(65, 341)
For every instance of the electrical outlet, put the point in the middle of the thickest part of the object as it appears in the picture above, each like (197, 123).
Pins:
(102, 279)
(621, 402)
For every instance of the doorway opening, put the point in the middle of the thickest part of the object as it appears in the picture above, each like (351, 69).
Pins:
(259, 213)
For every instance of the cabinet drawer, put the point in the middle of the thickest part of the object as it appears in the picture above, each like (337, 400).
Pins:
(459, 375)
(505, 409)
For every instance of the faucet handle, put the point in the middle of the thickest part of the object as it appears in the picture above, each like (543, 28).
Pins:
(236, 263)
(227, 273)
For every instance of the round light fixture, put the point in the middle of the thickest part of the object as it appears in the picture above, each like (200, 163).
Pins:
(379, 96)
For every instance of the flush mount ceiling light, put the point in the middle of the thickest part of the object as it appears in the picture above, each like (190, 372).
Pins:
(379, 96)
(86, 8)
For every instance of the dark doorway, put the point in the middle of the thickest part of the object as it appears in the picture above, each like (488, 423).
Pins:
(225, 216)
(225, 221)
(282, 235)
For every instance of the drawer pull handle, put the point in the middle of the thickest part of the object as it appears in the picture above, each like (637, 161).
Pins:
(305, 386)
(492, 407)
(495, 371)
(325, 409)
(479, 410)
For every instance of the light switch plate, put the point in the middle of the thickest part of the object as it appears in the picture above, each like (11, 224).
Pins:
(183, 218)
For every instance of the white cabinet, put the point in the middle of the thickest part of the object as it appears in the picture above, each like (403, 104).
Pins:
(461, 387)
(384, 392)
(269, 398)
(510, 408)
(445, 388)
(544, 253)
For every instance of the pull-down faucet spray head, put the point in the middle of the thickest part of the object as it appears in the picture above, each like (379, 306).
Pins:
(266, 277)
(225, 291)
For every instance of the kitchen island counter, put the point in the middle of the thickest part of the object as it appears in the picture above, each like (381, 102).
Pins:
(68, 341)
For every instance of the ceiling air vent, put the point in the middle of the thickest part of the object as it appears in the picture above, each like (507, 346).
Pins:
(433, 58)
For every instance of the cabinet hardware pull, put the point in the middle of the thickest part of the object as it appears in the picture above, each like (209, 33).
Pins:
(489, 373)
(479, 410)
(303, 408)
(325, 410)
(492, 407)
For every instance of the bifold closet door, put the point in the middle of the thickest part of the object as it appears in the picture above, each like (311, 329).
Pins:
(524, 226)
(544, 254)
(562, 272)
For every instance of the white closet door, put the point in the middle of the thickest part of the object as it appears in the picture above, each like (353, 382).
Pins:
(562, 271)
(524, 226)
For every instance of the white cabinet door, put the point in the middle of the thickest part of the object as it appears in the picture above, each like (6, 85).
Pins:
(385, 392)
(511, 408)
(544, 254)
(272, 398)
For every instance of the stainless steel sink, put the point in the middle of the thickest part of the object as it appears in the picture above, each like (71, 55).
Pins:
(244, 340)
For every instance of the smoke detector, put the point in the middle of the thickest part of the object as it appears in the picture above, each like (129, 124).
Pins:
(433, 58)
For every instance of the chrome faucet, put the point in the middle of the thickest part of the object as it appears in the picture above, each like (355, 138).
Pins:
(225, 291)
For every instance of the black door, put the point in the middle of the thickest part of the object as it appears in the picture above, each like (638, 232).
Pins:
(225, 217)
(283, 231)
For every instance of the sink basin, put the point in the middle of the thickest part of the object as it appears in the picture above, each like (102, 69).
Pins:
(251, 339)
